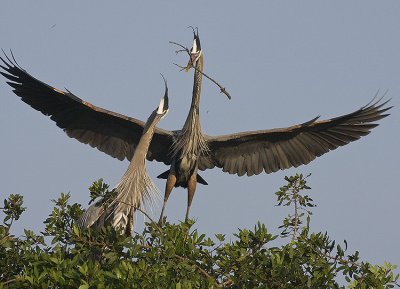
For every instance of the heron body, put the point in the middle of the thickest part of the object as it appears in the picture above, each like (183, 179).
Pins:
(190, 143)
(188, 150)
(134, 189)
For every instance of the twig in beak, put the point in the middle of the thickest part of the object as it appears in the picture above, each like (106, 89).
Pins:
(222, 89)
(184, 49)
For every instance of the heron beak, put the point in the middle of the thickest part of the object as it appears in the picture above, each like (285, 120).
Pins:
(165, 103)
(195, 52)
(163, 106)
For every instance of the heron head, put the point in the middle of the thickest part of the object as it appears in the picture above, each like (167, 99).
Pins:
(195, 51)
(163, 107)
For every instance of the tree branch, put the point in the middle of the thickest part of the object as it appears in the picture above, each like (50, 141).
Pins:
(296, 214)
(228, 282)
(222, 89)
(181, 46)
(10, 281)
(185, 49)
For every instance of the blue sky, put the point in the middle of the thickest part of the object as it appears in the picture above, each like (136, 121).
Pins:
(283, 62)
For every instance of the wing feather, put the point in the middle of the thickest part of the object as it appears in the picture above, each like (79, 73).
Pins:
(278, 149)
(114, 134)
(284, 162)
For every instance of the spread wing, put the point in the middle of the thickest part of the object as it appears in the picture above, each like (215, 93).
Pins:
(278, 149)
(114, 134)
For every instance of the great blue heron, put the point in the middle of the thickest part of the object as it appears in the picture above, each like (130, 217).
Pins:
(135, 187)
(189, 150)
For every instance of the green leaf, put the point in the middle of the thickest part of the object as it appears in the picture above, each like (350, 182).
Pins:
(178, 256)
(220, 237)
(76, 230)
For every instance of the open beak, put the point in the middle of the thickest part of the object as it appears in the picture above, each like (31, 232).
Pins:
(195, 52)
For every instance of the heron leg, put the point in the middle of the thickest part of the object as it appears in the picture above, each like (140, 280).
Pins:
(171, 181)
(191, 190)
(129, 227)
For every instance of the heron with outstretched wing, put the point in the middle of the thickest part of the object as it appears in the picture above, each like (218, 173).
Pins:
(188, 150)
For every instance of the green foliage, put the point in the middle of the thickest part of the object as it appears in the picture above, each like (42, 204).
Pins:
(289, 195)
(99, 190)
(178, 256)
(12, 209)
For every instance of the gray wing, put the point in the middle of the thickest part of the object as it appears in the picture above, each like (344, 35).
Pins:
(91, 216)
(114, 134)
(278, 149)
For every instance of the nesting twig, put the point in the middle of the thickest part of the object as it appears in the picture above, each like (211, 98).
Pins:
(185, 49)
(222, 89)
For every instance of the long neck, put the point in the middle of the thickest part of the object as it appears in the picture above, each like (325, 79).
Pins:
(144, 143)
(192, 119)
(135, 186)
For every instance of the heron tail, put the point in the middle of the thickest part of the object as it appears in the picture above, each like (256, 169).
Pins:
(199, 179)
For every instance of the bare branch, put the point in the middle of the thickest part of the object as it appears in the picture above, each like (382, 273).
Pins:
(144, 213)
(222, 89)
(184, 49)
(11, 280)
(228, 282)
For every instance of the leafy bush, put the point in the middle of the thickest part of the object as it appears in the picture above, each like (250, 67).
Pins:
(178, 256)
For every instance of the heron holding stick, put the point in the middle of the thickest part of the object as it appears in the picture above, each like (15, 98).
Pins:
(189, 150)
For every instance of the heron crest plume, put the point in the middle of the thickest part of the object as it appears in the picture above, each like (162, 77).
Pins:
(135, 190)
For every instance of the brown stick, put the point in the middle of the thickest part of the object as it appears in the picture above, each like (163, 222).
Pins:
(229, 282)
(185, 49)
